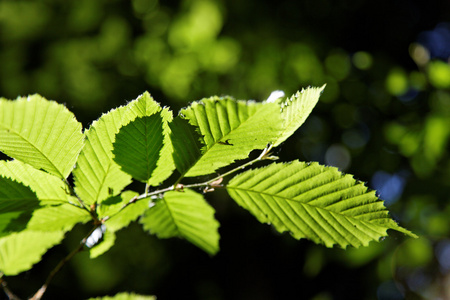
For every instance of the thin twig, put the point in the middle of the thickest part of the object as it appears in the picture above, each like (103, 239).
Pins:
(265, 154)
(82, 204)
(38, 295)
(9, 294)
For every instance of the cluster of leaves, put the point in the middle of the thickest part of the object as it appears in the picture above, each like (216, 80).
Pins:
(144, 142)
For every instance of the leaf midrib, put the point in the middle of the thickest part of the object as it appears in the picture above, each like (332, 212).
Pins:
(13, 131)
(307, 204)
(173, 218)
(365, 223)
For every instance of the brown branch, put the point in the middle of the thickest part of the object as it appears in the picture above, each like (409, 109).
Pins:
(42, 290)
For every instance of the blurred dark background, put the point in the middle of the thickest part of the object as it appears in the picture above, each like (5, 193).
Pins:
(384, 116)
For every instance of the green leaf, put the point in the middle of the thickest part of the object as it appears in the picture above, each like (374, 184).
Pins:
(32, 218)
(165, 165)
(142, 106)
(19, 251)
(120, 218)
(185, 215)
(37, 230)
(315, 202)
(57, 218)
(96, 176)
(138, 145)
(35, 200)
(117, 217)
(230, 130)
(125, 296)
(108, 240)
(187, 144)
(145, 106)
(296, 109)
(47, 188)
(17, 201)
(41, 133)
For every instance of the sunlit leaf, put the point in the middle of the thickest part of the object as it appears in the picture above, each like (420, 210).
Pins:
(48, 188)
(97, 176)
(296, 109)
(229, 130)
(315, 202)
(30, 225)
(108, 240)
(57, 218)
(19, 251)
(185, 215)
(16, 201)
(117, 213)
(145, 106)
(125, 216)
(36, 200)
(41, 133)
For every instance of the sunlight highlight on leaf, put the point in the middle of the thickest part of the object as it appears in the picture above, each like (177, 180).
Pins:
(186, 215)
(296, 109)
(229, 130)
(47, 187)
(145, 106)
(41, 133)
(116, 217)
(20, 251)
(315, 202)
(96, 176)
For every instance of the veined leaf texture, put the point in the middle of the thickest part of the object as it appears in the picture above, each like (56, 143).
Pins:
(41, 133)
(143, 141)
(315, 202)
(229, 130)
(187, 215)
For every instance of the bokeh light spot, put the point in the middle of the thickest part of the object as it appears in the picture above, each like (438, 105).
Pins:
(362, 60)
(202, 23)
(338, 156)
(389, 187)
(414, 253)
(355, 139)
(439, 74)
(419, 54)
(437, 41)
(442, 252)
(397, 82)
(338, 65)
